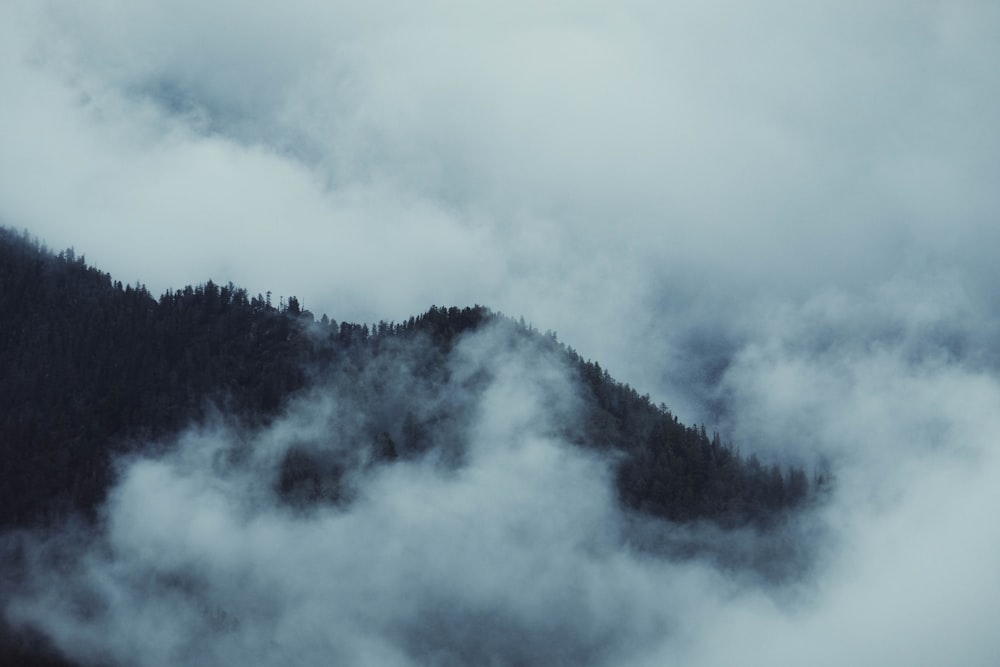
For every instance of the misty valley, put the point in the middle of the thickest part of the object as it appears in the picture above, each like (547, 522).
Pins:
(212, 478)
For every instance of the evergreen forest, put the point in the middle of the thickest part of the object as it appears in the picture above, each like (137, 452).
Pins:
(93, 370)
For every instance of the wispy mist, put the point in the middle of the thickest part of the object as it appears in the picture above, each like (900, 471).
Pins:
(513, 551)
(780, 220)
(502, 543)
(615, 174)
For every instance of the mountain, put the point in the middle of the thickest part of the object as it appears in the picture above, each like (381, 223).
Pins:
(93, 371)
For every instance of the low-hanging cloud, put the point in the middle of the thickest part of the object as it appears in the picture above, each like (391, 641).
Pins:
(778, 220)
(576, 164)
(514, 555)
(514, 550)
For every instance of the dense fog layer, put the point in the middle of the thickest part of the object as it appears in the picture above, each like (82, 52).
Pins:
(503, 544)
(778, 219)
(500, 544)
(641, 174)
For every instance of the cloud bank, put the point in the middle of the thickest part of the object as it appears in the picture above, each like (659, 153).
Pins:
(778, 219)
(609, 173)
(512, 548)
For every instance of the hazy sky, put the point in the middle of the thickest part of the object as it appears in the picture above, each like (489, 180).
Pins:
(625, 176)
(780, 218)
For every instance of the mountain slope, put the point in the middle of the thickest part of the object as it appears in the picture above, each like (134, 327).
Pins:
(90, 369)
(94, 373)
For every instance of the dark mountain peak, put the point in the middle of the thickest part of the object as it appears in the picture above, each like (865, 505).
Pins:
(91, 369)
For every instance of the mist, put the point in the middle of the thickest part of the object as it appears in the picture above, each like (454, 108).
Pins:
(503, 542)
(779, 220)
(507, 548)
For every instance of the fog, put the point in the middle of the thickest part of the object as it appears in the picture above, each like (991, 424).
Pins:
(511, 551)
(505, 544)
(778, 219)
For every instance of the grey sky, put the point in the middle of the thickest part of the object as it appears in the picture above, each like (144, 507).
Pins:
(780, 218)
(574, 163)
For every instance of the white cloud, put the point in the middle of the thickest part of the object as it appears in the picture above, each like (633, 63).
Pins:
(520, 553)
(779, 219)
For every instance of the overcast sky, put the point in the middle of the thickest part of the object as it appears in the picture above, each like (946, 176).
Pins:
(778, 217)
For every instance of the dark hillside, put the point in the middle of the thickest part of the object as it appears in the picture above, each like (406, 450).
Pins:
(90, 367)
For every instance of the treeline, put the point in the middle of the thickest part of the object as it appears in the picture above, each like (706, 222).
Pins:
(91, 368)
(679, 472)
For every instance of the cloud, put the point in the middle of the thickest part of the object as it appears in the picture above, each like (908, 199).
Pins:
(513, 556)
(778, 220)
(548, 161)
(513, 550)
(768, 145)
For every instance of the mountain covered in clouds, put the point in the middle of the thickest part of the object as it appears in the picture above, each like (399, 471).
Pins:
(93, 369)
(107, 393)
(778, 218)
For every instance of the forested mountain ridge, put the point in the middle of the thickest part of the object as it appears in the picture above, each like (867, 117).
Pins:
(91, 368)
